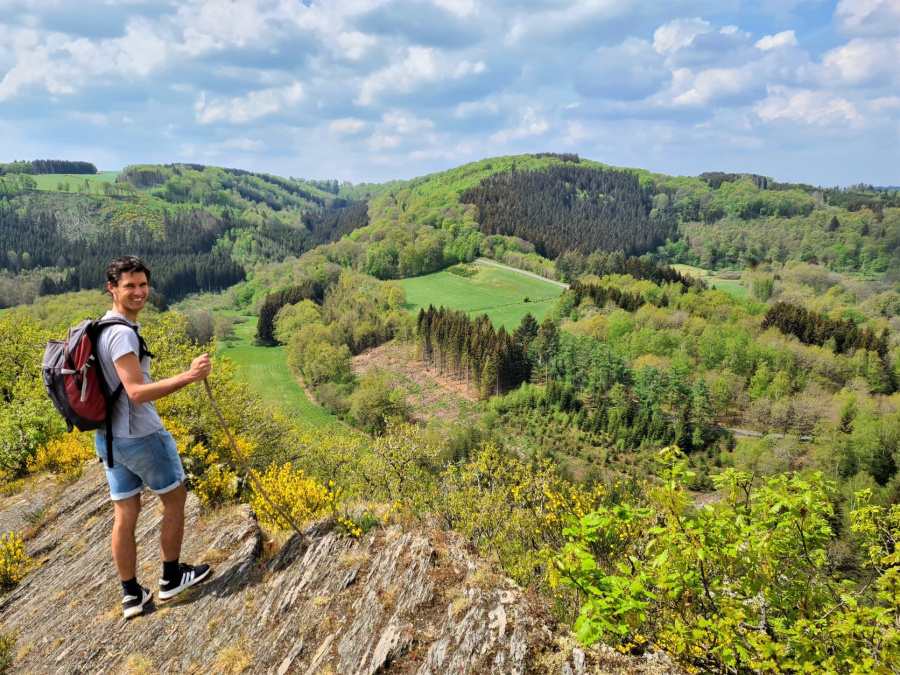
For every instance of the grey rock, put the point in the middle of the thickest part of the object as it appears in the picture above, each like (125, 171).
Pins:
(415, 601)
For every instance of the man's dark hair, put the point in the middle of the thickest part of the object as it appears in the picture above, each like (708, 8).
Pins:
(125, 263)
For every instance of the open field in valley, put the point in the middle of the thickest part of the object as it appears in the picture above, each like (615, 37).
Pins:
(499, 293)
(731, 286)
(266, 370)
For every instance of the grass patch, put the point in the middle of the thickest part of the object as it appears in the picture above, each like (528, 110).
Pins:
(731, 286)
(266, 370)
(50, 181)
(496, 292)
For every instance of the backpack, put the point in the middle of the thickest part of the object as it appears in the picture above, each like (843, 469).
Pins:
(75, 382)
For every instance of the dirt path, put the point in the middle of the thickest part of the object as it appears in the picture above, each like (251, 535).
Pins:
(491, 263)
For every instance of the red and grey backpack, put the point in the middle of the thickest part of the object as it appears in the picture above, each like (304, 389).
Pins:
(75, 382)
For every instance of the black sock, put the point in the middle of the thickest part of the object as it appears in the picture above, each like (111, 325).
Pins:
(170, 569)
(131, 587)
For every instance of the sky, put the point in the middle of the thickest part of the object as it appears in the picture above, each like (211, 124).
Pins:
(375, 90)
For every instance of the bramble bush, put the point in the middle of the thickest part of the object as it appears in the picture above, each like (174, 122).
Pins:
(742, 585)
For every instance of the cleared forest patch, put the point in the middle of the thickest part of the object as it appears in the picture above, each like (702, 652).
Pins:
(429, 395)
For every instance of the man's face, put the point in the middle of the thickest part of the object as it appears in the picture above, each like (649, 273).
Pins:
(131, 293)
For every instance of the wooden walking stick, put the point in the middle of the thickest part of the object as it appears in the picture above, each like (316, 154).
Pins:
(247, 468)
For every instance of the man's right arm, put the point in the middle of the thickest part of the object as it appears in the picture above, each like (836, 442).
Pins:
(128, 368)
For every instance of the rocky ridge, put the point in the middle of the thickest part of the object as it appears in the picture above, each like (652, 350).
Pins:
(398, 600)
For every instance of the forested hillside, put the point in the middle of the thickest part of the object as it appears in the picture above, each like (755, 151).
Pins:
(199, 227)
(675, 467)
(571, 208)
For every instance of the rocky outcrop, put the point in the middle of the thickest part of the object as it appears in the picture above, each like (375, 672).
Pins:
(411, 600)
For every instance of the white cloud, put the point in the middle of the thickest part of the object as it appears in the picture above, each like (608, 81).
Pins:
(246, 144)
(698, 89)
(488, 106)
(63, 66)
(347, 125)
(885, 103)
(812, 107)
(246, 108)
(404, 123)
(127, 120)
(215, 24)
(354, 44)
(868, 17)
(531, 125)
(380, 142)
(785, 38)
(678, 34)
(421, 66)
(576, 133)
(460, 8)
(861, 60)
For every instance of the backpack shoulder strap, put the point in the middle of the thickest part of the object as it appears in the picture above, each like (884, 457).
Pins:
(143, 350)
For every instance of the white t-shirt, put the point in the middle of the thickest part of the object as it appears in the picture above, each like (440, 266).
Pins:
(130, 420)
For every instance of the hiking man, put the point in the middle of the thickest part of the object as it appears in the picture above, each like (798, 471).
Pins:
(144, 453)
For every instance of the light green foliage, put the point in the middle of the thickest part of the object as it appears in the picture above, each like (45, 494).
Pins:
(740, 585)
(245, 415)
(376, 402)
(27, 418)
(57, 181)
(400, 464)
(496, 292)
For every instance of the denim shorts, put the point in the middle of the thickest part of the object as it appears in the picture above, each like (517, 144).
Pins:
(150, 461)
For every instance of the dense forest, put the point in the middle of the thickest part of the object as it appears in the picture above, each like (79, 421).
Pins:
(571, 208)
(199, 228)
(42, 166)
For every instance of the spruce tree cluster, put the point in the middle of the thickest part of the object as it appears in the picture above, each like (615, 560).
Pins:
(571, 207)
(273, 302)
(470, 350)
(812, 328)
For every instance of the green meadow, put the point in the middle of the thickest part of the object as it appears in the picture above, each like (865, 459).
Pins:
(731, 286)
(265, 369)
(51, 181)
(496, 292)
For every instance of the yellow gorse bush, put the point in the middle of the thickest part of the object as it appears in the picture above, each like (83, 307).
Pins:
(301, 497)
(13, 560)
(64, 456)
(217, 486)
(517, 510)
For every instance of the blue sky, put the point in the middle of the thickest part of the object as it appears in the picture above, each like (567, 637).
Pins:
(372, 90)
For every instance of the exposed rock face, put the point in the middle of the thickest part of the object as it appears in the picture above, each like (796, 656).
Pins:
(415, 601)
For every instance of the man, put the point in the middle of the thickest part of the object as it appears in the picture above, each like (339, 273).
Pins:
(144, 453)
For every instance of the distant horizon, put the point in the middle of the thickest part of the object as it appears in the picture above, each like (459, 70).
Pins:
(875, 186)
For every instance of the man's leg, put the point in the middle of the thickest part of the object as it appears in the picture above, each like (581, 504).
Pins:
(124, 547)
(172, 529)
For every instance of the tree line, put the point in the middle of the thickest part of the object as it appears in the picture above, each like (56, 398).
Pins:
(573, 264)
(41, 166)
(471, 350)
(571, 207)
(812, 328)
(273, 302)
